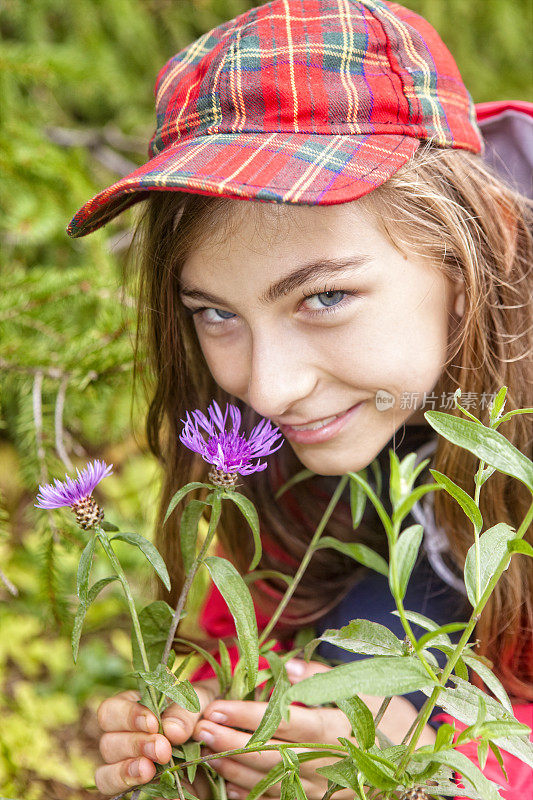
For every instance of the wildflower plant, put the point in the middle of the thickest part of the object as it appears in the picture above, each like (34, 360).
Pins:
(368, 763)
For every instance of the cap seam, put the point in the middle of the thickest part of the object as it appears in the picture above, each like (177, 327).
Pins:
(374, 12)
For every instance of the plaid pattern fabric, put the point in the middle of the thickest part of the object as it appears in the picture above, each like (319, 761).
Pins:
(297, 101)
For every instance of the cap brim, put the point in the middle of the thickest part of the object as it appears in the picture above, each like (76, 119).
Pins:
(297, 168)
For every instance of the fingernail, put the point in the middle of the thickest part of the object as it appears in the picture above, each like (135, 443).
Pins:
(141, 723)
(134, 769)
(295, 667)
(174, 727)
(205, 736)
(233, 794)
(217, 716)
(215, 762)
(149, 750)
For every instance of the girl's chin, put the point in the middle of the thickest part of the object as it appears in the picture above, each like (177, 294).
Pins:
(328, 464)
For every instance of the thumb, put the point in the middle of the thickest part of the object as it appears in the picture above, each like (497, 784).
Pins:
(298, 670)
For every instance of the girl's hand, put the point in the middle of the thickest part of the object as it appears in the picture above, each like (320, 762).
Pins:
(220, 720)
(131, 743)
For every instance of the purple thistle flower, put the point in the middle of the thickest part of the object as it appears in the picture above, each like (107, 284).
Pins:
(71, 492)
(229, 451)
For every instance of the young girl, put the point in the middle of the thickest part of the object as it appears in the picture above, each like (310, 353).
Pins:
(381, 266)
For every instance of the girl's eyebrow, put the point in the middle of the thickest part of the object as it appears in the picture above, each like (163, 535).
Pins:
(321, 268)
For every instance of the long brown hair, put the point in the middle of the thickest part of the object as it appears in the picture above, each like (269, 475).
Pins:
(445, 204)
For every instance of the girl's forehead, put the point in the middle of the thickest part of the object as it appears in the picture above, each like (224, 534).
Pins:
(239, 225)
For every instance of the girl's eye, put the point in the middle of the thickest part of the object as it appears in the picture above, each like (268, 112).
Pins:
(329, 301)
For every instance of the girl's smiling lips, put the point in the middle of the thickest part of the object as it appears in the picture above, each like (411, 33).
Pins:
(321, 434)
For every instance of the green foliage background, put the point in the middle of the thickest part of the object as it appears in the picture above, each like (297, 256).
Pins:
(76, 83)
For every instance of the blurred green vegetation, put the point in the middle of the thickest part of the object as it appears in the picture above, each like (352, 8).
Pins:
(76, 82)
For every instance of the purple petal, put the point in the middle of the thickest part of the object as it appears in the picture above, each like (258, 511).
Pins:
(69, 491)
(229, 451)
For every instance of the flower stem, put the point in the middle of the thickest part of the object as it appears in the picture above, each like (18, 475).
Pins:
(429, 705)
(106, 545)
(305, 560)
(213, 521)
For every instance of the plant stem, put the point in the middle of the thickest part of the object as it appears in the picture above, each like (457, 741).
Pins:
(429, 705)
(106, 545)
(381, 710)
(399, 602)
(307, 557)
(477, 479)
(335, 748)
(213, 521)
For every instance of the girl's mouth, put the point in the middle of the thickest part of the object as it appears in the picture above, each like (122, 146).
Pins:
(319, 431)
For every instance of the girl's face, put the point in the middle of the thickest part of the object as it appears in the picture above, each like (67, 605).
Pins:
(301, 340)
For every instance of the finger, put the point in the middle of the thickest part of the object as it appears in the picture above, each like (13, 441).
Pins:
(119, 746)
(123, 712)
(178, 723)
(304, 724)
(219, 738)
(298, 670)
(115, 778)
(240, 775)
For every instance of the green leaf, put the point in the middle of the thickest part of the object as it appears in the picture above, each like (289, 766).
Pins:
(482, 753)
(108, 526)
(378, 478)
(460, 669)
(439, 635)
(444, 738)
(465, 501)
(376, 772)
(492, 551)
(225, 665)
(520, 546)
(458, 761)
(497, 405)
(191, 751)
(359, 552)
(211, 660)
(273, 713)
(180, 494)
(376, 502)
(357, 500)
(189, 522)
(381, 677)
(499, 758)
(250, 514)
(361, 720)
(503, 727)
(155, 620)
(260, 574)
(489, 678)
(302, 475)
(342, 773)
(363, 636)
(150, 551)
(165, 681)
(238, 599)
(485, 443)
(84, 567)
(93, 592)
(405, 551)
(419, 619)
(462, 703)
(406, 505)
(395, 492)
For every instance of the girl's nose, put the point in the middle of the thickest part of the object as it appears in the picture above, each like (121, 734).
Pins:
(280, 376)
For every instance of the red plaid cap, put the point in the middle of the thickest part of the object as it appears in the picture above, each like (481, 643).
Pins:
(297, 101)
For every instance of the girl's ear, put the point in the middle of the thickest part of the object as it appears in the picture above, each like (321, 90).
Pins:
(459, 302)
(457, 299)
